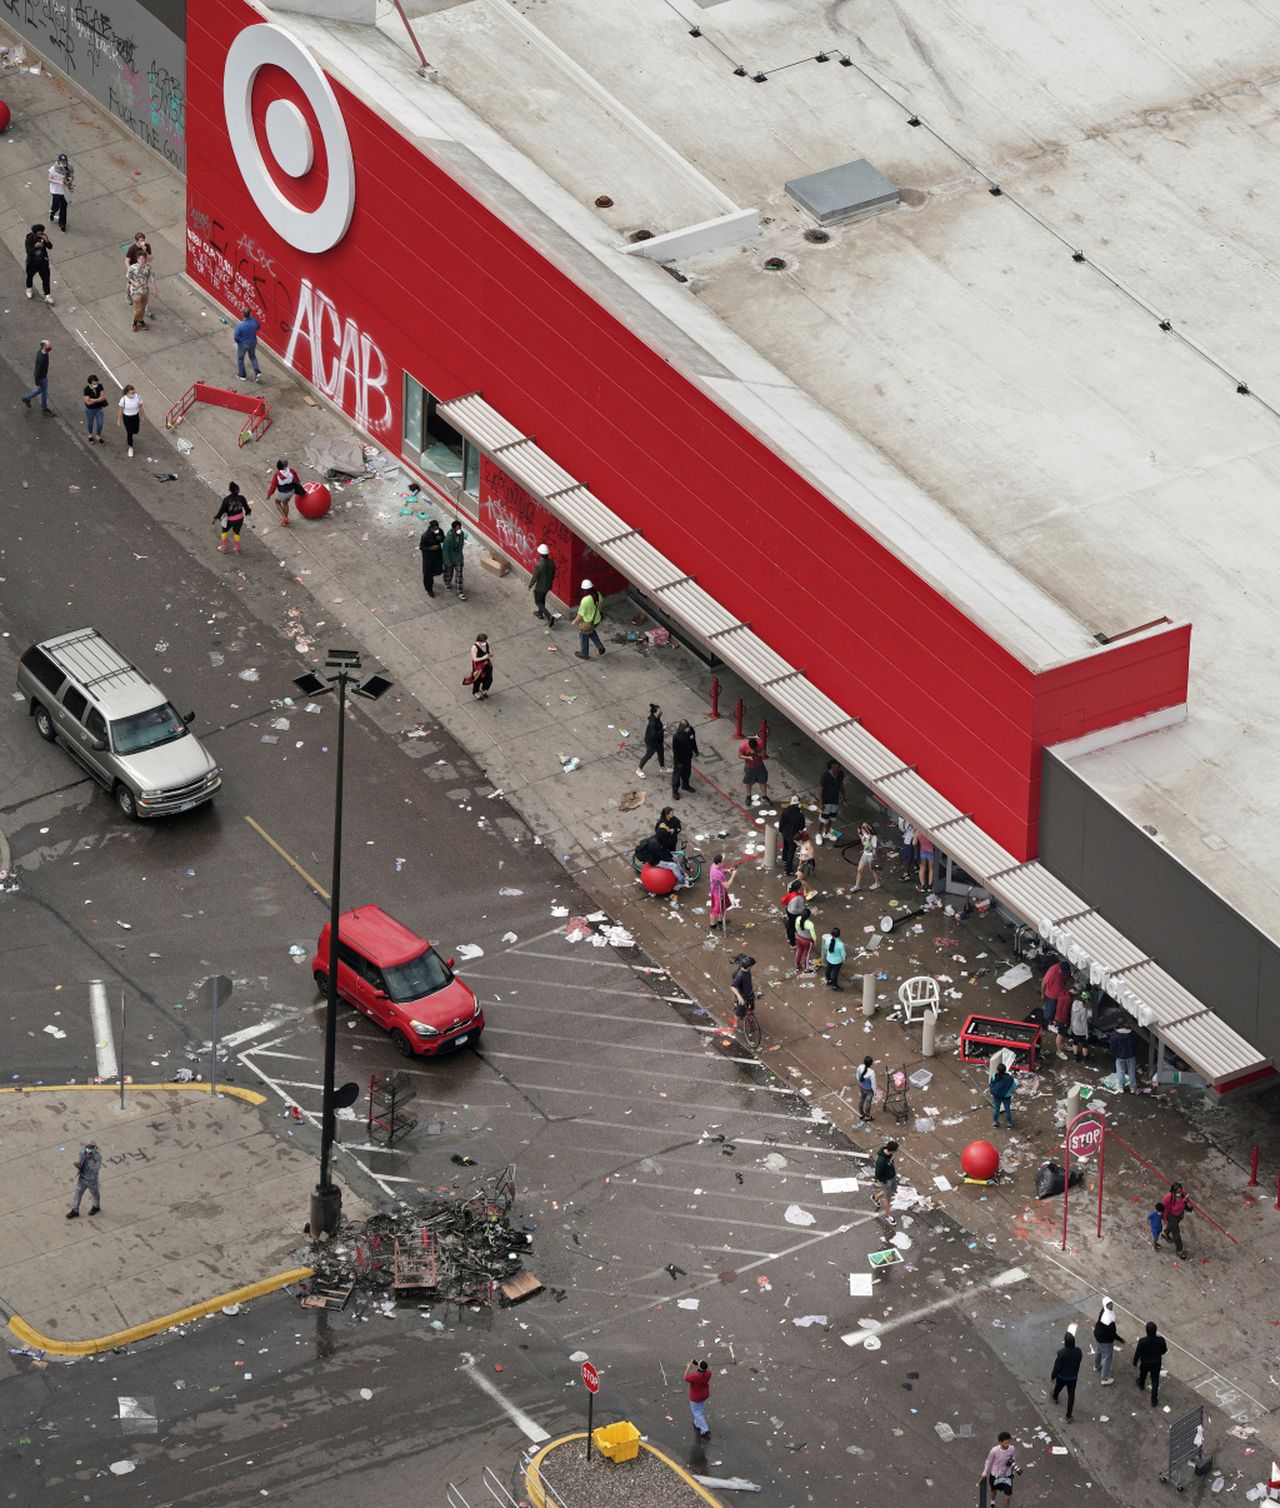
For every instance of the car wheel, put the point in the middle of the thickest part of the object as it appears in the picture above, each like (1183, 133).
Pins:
(322, 984)
(401, 1043)
(44, 725)
(126, 803)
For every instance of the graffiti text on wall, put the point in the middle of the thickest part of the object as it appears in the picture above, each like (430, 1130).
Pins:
(341, 360)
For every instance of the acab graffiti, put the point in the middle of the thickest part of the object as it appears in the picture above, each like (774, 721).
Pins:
(343, 362)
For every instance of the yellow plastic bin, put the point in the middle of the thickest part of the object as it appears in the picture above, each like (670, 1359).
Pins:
(617, 1442)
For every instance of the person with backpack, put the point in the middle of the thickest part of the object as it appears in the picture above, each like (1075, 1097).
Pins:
(285, 483)
(834, 954)
(590, 615)
(234, 510)
(793, 903)
(1000, 1088)
(655, 741)
(867, 858)
(886, 1181)
(866, 1081)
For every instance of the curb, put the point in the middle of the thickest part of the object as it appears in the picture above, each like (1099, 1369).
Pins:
(250, 1096)
(33, 1337)
(539, 1499)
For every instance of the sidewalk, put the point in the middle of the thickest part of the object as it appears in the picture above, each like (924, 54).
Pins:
(202, 1205)
(355, 574)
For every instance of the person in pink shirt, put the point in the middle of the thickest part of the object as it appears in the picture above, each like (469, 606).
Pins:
(1000, 1469)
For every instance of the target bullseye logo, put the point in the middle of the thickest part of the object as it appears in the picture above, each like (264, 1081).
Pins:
(289, 138)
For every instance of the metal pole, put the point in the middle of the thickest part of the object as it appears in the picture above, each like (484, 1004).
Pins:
(763, 736)
(737, 728)
(1066, 1185)
(326, 1205)
(1102, 1157)
(868, 995)
(591, 1399)
(715, 696)
(1253, 1169)
(213, 1060)
(122, 1014)
(928, 1026)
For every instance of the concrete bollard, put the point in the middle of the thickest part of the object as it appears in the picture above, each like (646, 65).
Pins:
(770, 837)
(868, 994)
(929, 1025)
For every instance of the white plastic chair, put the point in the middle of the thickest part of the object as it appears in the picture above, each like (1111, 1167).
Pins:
(917, 996)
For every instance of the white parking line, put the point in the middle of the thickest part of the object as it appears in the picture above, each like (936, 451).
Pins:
(684, 1078)
(1005, 1279)
(530, 1428)
(104, 1042)
(245, 1034)
(690, 1052)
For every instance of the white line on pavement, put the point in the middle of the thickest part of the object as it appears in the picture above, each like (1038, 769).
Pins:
(1006, 1279)
(684, 1078)
(245, 1034)
(530, 1428)
(104, 1042)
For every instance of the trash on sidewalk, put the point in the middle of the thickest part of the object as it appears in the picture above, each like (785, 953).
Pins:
(796, 1216)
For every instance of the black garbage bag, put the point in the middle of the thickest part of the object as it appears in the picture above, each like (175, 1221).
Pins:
(1050, 1180)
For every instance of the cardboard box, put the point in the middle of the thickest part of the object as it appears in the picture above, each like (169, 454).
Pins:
(492, 564)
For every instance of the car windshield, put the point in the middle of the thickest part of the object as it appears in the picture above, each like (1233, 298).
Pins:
(421, 976)
(147, 730)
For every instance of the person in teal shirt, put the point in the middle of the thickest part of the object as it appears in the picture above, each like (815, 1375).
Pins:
(451, 554)
(833, 956)
(1001, 1091)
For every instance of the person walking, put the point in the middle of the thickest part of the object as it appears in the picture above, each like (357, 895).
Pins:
(886, 1181)
(684, 749)
(790, 825)
(754, 770)
(540, 583)
(1125, 1050)
(1106, 1339)
(1000, 1088)
(866, 1082)
(867, 858)
(927, 867)
(62, 177)
(655, 741)
(698, 1376)
(40, 375)
(1155, 1223)
(1148, 1357)
(38, 246)
(1066, 1371)
(806, 855)
(130, 413)
(1174, 1206)
(246, 339)
(721, 880)
(87, 1167)
(588, 622)
(1000, 1468)
(794, 903)
(234, 510)
(481, 677)
(431, 545)
(140, 282)
(455, 541)
(834, 954)
(132, 252)
(1062, 1016)
(285, 483)
(95, 409)
(830, 790)
(806, 936)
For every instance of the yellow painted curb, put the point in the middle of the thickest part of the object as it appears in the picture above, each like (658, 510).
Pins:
(32, 1337)
(539, 1498)
(251, 1096)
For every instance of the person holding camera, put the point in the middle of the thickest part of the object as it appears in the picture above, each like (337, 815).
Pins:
(38, 261)
(698, 1376)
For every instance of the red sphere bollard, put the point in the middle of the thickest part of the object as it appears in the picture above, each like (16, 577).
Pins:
(315, 501)
(980, 1160)
(656, 880)
(5, 116)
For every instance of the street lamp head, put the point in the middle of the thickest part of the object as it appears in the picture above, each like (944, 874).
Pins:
(372, 687)
(342, 659)
(311, 684)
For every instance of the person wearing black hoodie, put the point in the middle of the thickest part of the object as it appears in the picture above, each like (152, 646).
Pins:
(684, 749)
(432, 547)
(655, 740)
(790, 825)
(1148, 1356)
(1106, 1340)
(1066, 1371)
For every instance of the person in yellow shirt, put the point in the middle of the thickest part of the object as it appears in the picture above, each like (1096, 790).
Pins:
(588, 622)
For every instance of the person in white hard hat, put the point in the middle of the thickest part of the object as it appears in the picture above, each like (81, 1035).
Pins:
(588, 621)
(540, 583)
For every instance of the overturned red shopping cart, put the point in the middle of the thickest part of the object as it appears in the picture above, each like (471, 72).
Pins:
(252, 404)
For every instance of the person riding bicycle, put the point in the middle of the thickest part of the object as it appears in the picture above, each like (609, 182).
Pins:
(654, 851)
(743, 986)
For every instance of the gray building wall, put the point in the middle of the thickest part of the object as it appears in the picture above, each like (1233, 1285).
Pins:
(1206, 945)
(130, 55)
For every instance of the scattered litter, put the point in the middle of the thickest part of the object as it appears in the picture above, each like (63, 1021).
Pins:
(1012, 978)
(861, 1285)
(137, 1416)
(559, 910)
(921, 1078)
(811, 1319)
(469, 950)
(127, 926)
(122, 1468)
(580, 1356)
(512, 890)
(55, 1031)
(510, 937)
(296, 951)
(250, 674)
(839, 1185)
(901, 1240)
(941, 1181)
(796, 1216)
(366, 1394)
(687, 1303)
(523, 1286)
(231, 1309)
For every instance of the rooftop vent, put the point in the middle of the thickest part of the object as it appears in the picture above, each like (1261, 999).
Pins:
(841, 195)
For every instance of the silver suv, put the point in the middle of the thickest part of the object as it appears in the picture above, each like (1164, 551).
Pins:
(83, 693)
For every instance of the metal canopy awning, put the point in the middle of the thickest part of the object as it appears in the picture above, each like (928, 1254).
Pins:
(1153, 997)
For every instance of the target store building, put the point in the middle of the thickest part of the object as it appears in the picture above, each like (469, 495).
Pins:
(510, 245)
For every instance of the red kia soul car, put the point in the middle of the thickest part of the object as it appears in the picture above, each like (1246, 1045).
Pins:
(399, 980)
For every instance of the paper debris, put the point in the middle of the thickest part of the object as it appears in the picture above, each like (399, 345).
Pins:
(796, 1216)
(810, 1319)
(861, 1285)
(469, 950)
(687, 1303)
(839, 1185)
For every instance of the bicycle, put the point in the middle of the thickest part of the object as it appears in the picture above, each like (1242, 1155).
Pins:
(691, 863)
(749, 1026)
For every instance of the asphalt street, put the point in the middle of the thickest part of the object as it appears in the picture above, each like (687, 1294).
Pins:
(642, 1142)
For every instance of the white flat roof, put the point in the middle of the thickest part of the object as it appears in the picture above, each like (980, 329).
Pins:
(1013, 423)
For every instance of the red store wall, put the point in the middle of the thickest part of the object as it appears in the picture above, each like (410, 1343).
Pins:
(429, 281)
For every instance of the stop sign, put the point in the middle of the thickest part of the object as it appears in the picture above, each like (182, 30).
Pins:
(1085, 1134)
(590, 1378)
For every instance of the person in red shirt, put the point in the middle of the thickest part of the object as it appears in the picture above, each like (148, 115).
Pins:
(698, 1376)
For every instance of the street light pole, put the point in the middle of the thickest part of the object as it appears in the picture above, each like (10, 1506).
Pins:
(326, 1201)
